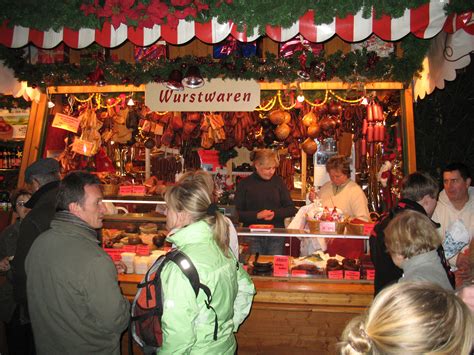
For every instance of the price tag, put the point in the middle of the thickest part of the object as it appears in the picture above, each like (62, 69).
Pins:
(352, 275)
(368, 228)
(280, 265)
(125, 190)
(69, 123)
(336, 274)
(370, 274)
(114, 253)
(130, 248)
(327, 227)
(298, 273)
(83, 147)
(138, 190)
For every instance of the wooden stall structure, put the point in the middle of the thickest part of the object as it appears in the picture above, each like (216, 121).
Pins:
(300, 316)
(39, 112)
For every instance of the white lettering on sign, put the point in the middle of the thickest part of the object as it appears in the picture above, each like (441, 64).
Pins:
(215, 95)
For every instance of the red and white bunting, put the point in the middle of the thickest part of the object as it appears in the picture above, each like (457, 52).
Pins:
(424, 22)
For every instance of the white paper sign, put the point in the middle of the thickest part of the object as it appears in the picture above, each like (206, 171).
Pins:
(215, 95)
(69, 123)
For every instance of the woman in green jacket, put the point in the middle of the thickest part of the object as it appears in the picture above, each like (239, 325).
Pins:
(201, 232)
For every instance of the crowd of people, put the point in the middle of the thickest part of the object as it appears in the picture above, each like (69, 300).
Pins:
(62, 294)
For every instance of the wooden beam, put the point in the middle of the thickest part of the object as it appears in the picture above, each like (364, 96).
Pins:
(34, 134)
(331, 85)
(408, 125)
(94, 88)
(304, 173)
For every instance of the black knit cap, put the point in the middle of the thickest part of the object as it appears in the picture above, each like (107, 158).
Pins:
(41, 167)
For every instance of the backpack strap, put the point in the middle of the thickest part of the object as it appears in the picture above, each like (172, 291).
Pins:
(188, 269)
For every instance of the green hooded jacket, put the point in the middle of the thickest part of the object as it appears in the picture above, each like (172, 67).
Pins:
(188, 325)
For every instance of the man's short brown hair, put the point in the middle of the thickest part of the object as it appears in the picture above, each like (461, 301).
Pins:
(411, 233)
(419, 184)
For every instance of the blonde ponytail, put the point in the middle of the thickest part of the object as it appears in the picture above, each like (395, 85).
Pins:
(193, 193)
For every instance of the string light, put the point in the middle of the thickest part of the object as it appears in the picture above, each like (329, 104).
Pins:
(326, 96)
(99, 99)
(356, 101)
(268, 106)
(281, 102)
(83, 101)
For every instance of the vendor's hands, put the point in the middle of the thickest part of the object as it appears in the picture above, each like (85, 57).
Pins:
(266, 215)
(5, 264)
(120, 266)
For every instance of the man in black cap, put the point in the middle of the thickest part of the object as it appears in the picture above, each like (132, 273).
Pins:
(43, 176)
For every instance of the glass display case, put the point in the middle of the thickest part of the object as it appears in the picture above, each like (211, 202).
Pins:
(139, 222)
(317, 264)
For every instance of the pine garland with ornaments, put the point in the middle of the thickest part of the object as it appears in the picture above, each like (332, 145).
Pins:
(360, 64)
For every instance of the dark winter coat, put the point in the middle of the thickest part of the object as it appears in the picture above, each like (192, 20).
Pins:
(43, 204)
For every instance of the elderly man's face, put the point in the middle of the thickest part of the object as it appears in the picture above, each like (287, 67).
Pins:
(92, 208)
(455, 186)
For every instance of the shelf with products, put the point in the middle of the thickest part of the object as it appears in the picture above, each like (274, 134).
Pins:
(133, 224)
(11, 153)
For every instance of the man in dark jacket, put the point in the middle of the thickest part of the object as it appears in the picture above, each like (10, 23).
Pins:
(74, 299)
(43, 176)
(419, 193)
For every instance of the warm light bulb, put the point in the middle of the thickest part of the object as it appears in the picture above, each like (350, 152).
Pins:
(130, 102)
(51, 104)
(300, 98)
(364, 101)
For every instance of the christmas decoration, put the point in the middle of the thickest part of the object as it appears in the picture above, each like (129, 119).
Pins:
(75, 14)
(270, 69)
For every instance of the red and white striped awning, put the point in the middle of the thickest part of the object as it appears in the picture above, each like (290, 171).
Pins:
(424, 22)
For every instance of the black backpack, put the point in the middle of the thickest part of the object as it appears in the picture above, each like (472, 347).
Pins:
(147, 307)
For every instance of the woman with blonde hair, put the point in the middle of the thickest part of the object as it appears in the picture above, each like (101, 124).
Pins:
(199, 230)
(263, 198)
(411, 318)
(204, 178)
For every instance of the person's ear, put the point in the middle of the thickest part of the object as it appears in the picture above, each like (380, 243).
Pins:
(75, 208)
(468, 182)
(184, 218)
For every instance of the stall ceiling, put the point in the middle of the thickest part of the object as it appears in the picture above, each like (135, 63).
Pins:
(424, 22)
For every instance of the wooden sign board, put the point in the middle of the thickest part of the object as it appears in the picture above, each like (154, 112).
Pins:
(216, 95)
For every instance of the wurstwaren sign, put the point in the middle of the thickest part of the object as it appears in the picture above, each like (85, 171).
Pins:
(215, 95)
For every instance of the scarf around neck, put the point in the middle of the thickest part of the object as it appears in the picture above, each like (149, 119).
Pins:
(66, 216)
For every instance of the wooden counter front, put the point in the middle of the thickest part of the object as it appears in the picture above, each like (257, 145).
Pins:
(293, 315)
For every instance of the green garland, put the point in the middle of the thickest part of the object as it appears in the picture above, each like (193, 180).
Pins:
(357, 65)
(55, 14)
